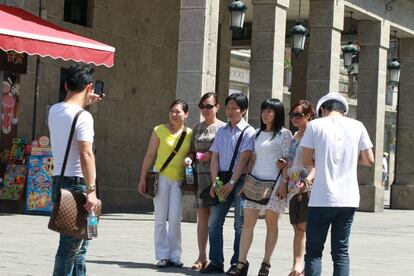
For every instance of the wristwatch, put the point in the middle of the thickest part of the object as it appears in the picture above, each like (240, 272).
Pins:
(232, 182)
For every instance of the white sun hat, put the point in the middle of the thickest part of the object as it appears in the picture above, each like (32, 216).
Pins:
(332, 96)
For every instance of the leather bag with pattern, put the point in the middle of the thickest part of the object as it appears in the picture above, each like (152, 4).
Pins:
(258, 190)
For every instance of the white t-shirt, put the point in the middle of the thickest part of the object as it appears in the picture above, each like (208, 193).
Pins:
(268, 151)
(337, 142)
(384, 165)
(60, 121)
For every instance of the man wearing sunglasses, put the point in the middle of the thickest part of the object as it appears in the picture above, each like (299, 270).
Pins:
(334, 145)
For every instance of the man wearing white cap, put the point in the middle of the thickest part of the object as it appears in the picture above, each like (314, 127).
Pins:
(333, 144)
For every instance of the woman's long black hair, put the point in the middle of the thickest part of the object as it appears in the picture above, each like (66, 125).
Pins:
(279, 121)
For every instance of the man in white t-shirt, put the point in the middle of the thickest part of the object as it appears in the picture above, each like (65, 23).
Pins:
(334, 145)
(80, 168)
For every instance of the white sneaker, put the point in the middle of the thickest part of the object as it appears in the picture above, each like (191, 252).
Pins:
(162, 263)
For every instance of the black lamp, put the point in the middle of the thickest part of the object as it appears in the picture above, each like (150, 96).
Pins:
(349, 51)
(355, 64)
(237, 11)
(298, 34)
(394, 68)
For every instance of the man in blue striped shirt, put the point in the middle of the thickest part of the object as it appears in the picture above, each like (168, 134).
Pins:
(223, 148)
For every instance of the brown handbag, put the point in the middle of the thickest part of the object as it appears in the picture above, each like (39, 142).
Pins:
(68, 214)
(151, 179)
(151, 185)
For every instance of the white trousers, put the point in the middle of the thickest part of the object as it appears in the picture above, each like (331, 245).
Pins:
(168, 207)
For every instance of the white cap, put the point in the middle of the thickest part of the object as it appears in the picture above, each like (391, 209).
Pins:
(332, 96)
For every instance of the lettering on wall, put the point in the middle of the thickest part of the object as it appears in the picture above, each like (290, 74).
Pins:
(239, 75)
(13, 62)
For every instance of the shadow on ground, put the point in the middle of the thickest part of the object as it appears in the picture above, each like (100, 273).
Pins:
(122, 217)
(134, 265)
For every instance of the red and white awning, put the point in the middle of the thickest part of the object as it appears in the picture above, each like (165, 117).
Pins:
(24, 32)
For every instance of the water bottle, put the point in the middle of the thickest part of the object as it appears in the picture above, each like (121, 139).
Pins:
(218, 185)
(92, 226)
(189, 175)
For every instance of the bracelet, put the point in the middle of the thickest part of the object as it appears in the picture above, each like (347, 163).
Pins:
(90, 188)
(232, 182)
(307, 181)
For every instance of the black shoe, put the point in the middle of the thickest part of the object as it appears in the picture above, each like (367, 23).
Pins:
(211, 269)
(232, 269)
(175, 263)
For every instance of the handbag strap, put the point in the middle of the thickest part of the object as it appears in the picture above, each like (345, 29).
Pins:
(278, 175)
(65, 159)
(233, 159)
(174, 152)
(277, 178)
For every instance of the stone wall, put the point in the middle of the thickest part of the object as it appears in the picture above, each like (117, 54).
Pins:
(139, 87)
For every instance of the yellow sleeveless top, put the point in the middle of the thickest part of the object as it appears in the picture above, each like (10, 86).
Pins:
(175, 169)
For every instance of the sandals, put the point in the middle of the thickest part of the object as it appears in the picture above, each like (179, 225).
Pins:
(240, 270)
(264, 269)
(197, 265)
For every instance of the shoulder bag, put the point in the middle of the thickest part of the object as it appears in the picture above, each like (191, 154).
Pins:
(151, 179)
(68, 214)
(224, 176)
(258, 190)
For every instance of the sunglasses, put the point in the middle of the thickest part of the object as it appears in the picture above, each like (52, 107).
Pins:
(207, 106)
(296, 115)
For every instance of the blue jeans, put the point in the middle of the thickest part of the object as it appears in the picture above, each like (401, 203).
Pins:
(319, 219)
(71, 253)
(216, 222)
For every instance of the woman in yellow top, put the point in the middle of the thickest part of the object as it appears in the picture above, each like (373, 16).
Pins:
(168, 201)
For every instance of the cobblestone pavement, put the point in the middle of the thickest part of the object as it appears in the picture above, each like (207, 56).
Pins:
(381, 244)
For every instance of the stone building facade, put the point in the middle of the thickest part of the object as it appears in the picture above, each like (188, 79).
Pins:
(167, 49)
(139, 88)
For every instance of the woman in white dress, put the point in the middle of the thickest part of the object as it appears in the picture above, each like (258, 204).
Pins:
(272, 142)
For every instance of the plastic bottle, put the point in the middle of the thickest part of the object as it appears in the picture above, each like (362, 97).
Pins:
(219, 185)
(92, 226)
(189, 175)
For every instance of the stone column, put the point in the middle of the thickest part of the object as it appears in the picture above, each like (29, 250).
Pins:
(197, 56)
(402, 190)
(299, 73)
(267, 56)
(373, 39)
(197, 52)
(223, 57)
(325, 22)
